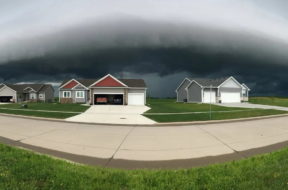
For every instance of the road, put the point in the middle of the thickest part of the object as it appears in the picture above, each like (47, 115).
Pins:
(141, 147)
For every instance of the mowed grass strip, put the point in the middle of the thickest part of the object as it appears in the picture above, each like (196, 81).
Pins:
(273, 101)
(214, 115)
(56, 115)
(45, 109)
(218, 112)
(171, 106)
(48, 106)
(21, 169)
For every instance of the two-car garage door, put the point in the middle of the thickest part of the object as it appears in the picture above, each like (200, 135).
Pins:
(230, 97)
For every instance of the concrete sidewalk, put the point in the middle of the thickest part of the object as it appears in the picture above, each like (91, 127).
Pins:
(146, 143)
(255, 106)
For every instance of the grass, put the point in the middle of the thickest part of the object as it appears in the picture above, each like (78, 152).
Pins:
(56, 115)
(49, 107)
(21, 169)
(44, 107)
(171, 106)
(274, 101)
(214, 116)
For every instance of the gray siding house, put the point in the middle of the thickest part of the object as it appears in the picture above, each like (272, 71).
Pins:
(26, 93)
(223, 90)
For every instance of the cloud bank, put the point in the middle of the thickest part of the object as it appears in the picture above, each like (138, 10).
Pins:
(158, 40)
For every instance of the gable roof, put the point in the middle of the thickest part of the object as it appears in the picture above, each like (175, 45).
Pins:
(188, 79)
(21, 88)
(132, 83)
(109, 81)
(245, 86)
(208, 82)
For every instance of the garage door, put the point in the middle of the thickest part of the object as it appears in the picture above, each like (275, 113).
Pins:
(136, 99)
(209, 97)
(6, 98)
(230, 97)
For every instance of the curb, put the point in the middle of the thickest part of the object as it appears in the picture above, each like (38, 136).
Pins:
(138, 164)
(151, 125)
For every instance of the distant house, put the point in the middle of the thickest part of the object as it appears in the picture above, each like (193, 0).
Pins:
(223, 90)
(106, 90)
(26, 92)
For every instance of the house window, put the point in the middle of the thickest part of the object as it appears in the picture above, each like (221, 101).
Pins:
(41, 96)
(79, 94)
(67, 94)
(32, 96)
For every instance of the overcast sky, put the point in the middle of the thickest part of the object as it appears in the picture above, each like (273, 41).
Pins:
(162, 41)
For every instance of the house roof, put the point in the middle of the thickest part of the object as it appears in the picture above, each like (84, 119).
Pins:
(134, 82)
(245, 86)
(21, 88)
(209, 82)
(129, 82)
(1, 85)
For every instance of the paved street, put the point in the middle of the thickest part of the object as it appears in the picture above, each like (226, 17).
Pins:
(145, 143)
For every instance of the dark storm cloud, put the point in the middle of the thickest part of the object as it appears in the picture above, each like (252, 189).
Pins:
(262, 70)
(159, 47)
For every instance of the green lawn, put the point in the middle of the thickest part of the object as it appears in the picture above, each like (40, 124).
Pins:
(274, 101)
(23, 170)
(44, 107)
(49, 106)
(56, 115)
(171, 106)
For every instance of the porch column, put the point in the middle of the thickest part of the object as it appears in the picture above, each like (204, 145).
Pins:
(91, 97)
(125, 96)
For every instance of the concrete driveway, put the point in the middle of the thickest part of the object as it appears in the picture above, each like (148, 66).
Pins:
(113, 144)
(258, 106)
(115, 114)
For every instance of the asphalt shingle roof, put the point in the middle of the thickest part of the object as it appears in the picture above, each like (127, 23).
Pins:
(21, 87)
(209, 82)
(129, 82)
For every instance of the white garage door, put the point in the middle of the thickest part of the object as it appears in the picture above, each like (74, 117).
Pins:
(230, 97)
(136, 99)
(209, 97)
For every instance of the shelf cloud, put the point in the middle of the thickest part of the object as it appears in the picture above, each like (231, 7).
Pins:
(161, 41)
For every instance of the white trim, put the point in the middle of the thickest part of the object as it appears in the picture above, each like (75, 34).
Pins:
(110, 87)
(30, 88)
(191, 83)
(245, 86)
(142, 88)
(69, 82)
(182, 83)
(106, 77)
(8, 87)
(69, 93)
(83, 91)
(229, 79)
(109, 93)
(78, 85)
(15, 98)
